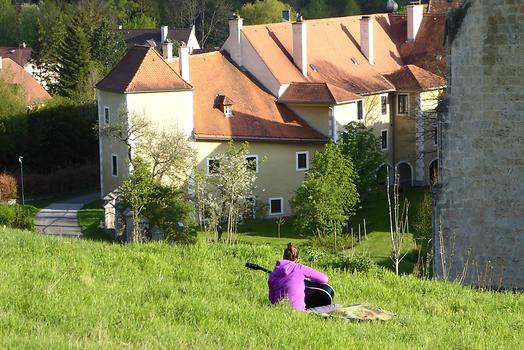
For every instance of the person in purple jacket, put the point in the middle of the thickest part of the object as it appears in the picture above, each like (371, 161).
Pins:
(287, 279)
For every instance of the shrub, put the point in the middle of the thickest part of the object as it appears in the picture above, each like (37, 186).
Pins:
(16, 216)
(422, 224)
(7, 187)
(351, 263)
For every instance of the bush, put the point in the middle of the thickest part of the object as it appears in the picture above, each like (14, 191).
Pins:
(422, 224)
(7, 187)
(351, 263)
(325, 242)
(16, 216)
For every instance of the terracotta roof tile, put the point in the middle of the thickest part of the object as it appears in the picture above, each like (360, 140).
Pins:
(256, 114)
(316, 93)
(411, 77)
(441, 6)
(142, 69)
(12, 73)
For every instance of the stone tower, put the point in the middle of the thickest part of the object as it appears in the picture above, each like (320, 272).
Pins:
(479, 201)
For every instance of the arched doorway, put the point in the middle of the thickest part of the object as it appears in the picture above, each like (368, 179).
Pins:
(433, 172)
(405, 178)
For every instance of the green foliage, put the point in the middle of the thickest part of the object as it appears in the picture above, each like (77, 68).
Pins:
(8, 24)
(74, 57)
(349, 263)
(29, 14)
(423, 224)
(360, 144)
(107, 46)
(327, 198)
(317, 9)
(141, 21)
(17, 216)
(57, 292)
(263, 11)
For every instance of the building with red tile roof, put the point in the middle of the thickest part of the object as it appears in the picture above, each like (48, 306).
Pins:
(13, 73)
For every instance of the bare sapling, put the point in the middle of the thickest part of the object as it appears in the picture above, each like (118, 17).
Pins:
(280, 222)
(398, 223)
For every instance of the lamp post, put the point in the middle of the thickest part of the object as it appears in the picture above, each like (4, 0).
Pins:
(21, 160)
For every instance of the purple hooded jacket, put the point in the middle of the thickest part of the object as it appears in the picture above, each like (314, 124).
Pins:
(287, 281)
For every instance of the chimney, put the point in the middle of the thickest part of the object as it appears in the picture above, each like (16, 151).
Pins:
(300, 44)
(163, 33)
(167, 51)
(235, 27)
(366, 38)
(183, 60)
(285, 15)
(415, 13)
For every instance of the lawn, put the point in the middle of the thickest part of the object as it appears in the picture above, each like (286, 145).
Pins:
(89, 218)
(67, 293)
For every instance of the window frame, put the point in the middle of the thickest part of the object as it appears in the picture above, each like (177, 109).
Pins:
(406, 105)
(107, 116)
(114, 165)
(256, 160)
(307, 160)
(281, 199)
(211, 159)
(383, 106)
(382, 132)
(360, 110)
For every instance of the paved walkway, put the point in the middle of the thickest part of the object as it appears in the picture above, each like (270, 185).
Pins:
(61, 218)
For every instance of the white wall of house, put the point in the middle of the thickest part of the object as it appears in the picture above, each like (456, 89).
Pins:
(278, 176)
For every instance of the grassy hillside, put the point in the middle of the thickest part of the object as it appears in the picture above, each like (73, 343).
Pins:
(59, 293)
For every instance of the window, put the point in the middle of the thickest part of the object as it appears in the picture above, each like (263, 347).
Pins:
(360, 112)
(252, 162)
(107, 118)
(384, 104)
(114, 165)
(275, 206)
(213, 165)
(228, 110)
(302, 161)
(402, 104)
(384, 139)
(435, 135)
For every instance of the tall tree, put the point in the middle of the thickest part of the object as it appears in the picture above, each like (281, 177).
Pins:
(74, 57)
(263, 11)
(359, 143)
(8, 24)
(107, 46)
(328, 196)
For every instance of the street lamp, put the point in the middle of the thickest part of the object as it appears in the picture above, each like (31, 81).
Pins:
(21, 160)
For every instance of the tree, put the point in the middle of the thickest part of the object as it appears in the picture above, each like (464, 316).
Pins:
(360, 144)
(222, 197)
(398, 224)
(29, 13)
(263, 11)
(74, 57)
(140, 21)
(8, 24)
(317, 9)
(107, 46)
(328, 196)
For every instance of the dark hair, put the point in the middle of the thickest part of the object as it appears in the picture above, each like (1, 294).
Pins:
(291, 252)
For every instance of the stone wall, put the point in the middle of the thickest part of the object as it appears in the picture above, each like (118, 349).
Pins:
(479, 202)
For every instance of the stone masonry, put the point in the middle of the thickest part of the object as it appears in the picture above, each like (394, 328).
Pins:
(479, 201)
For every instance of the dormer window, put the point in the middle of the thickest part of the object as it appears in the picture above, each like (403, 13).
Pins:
(225, 104)
(228, 110)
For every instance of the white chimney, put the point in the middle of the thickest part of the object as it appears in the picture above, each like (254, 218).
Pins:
(183, 60)
(235, 26)
(366, 38)
(415, 14)
(167, 51)
(300, 44)
(163, 33)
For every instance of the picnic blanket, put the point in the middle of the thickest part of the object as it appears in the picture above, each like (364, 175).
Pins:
(353, 312)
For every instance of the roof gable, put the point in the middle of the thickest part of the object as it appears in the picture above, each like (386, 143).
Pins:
(316, 93)
(12, 73)
(411, 77)
(142, 69)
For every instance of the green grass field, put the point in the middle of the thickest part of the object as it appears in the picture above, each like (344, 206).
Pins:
(69, 293)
